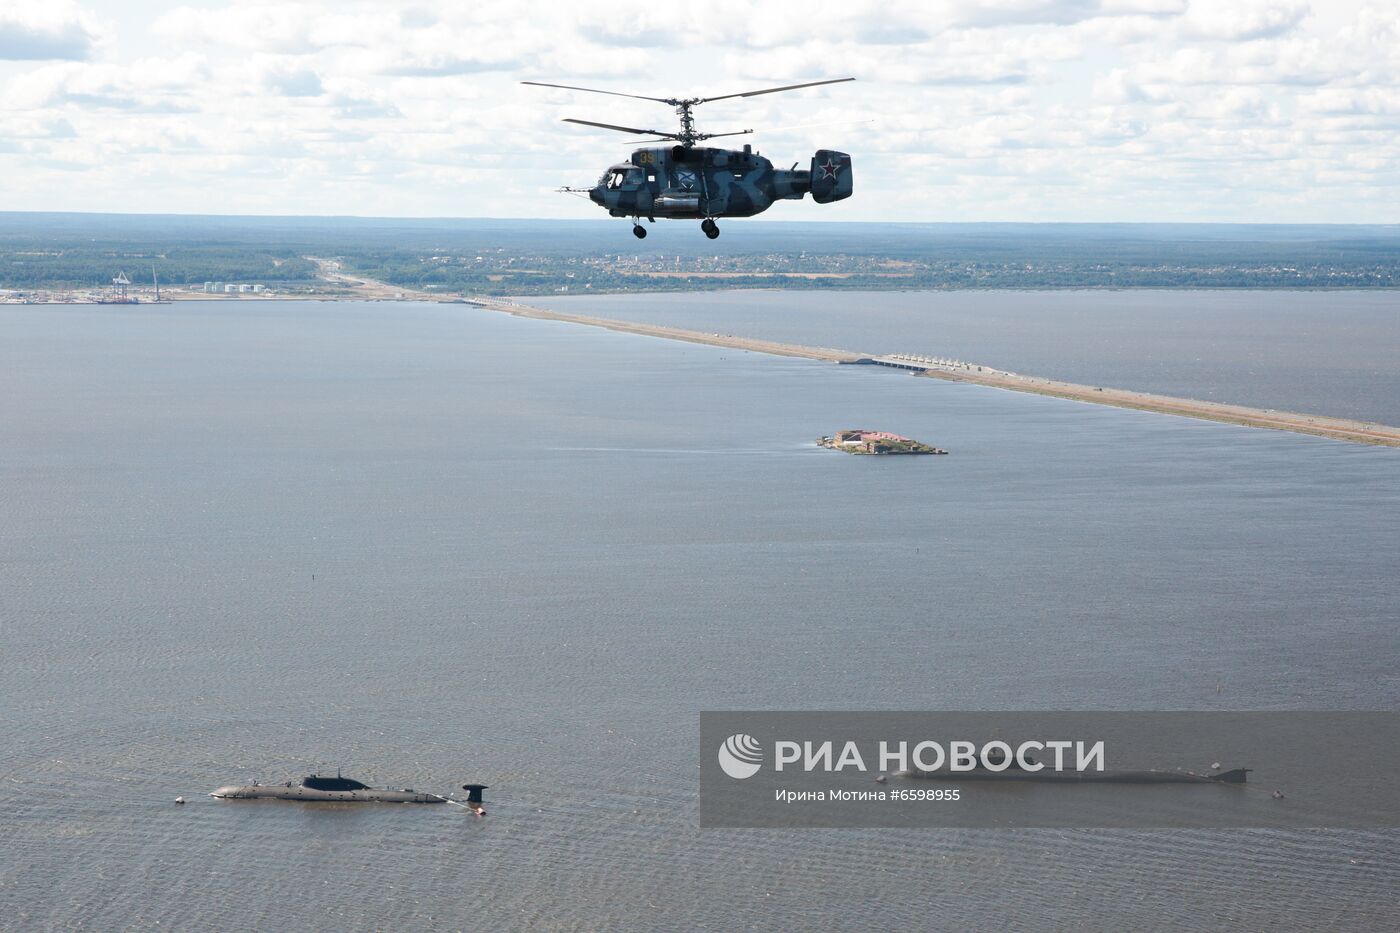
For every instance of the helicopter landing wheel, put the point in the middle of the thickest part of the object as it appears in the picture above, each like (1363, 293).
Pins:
(710, 227)
(639, 231)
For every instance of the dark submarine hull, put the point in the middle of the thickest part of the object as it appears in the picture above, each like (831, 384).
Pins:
(318, 789)
(309, 795)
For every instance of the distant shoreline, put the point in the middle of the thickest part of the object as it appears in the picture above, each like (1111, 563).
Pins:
(337, 286)
(371, 290)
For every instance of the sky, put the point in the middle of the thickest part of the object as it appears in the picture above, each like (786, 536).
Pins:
(1268, 111)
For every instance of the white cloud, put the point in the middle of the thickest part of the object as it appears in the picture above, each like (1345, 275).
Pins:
(1353, 101)
(153, 85)
(1116, 87)
(283, 27)
(24, 126)
(292, 81)
(46, 30)
(1244, 19)
(964, 109)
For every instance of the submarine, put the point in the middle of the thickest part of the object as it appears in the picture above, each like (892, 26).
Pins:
(316, 788)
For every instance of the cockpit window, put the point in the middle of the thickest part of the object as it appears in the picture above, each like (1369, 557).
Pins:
(624, 177)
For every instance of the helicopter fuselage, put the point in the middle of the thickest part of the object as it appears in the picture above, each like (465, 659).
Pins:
(689, 181)
(701, 183)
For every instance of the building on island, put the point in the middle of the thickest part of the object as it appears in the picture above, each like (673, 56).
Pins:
(867, 440)
(862, 441)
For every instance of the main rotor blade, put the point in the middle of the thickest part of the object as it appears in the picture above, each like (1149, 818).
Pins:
(594, 90)
(620, 129)
(774, 90)
(718, 135)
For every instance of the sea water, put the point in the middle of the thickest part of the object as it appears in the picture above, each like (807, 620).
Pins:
(432, 544)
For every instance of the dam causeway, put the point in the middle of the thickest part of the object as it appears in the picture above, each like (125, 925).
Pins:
(1344, 429)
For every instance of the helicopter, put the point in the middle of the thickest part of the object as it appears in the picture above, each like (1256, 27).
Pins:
(686, 181)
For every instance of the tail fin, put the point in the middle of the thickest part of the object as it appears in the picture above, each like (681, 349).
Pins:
(474, 792)
(1236, 776)
(831, 176)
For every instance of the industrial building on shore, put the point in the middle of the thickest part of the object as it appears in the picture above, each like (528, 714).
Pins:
(230, 288)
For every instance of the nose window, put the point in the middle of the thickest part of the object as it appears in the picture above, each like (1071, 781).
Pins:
(629, 178)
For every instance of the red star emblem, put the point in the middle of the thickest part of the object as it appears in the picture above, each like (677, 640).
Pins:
(830, 169)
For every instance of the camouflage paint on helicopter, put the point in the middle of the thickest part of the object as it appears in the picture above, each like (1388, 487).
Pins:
(697, 183)
(686, 181)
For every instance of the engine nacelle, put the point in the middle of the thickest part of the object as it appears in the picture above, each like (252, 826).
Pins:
(831, 176)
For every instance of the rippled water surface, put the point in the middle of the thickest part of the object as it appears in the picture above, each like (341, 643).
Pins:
(431, 544)
(1322, 352)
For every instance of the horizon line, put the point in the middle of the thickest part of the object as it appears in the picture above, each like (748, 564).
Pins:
(748, 221)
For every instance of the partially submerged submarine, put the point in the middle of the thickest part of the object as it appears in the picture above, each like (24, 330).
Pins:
(316, 788)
